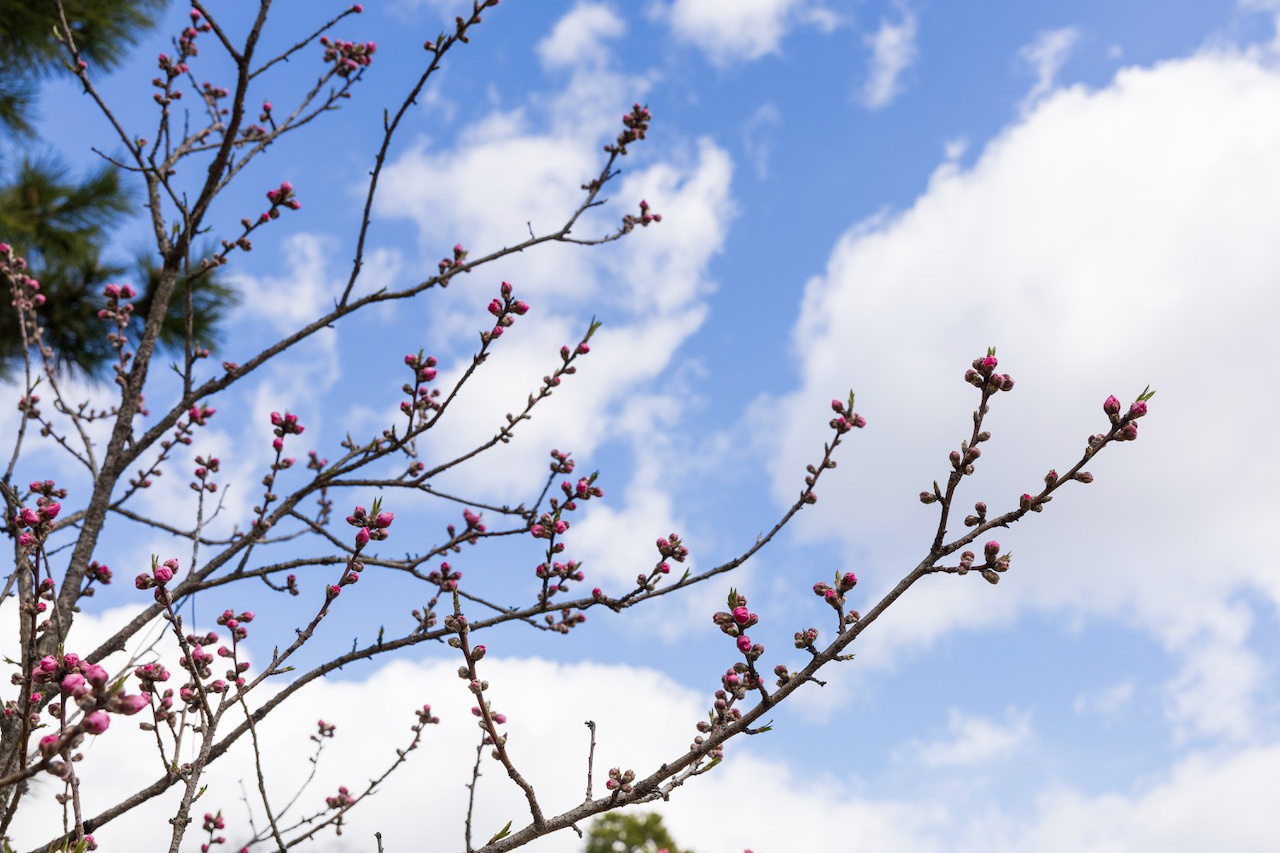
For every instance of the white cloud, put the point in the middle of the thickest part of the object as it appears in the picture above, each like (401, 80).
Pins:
(973, 740)
(1111, 239)
(579, 38)
(758, 137)
(893, 50)
(739, 30)
(1106, 702)
(1045, 55)
(1205, 801)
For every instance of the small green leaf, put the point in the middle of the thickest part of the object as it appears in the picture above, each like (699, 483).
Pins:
(502, 833)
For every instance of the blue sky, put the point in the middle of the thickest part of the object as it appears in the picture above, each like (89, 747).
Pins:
(854, 195)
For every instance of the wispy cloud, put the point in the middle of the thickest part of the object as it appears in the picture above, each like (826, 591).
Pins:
(893, 50)
(1046, 55)
(974, 740)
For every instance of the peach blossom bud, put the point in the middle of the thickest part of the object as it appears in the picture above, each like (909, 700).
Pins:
(96, 722)
(991, 550)
(1138, 409)
(130, 705)
(362, 537)
(744, 644)
(384, 519)
(1111, 405)
(163, 574)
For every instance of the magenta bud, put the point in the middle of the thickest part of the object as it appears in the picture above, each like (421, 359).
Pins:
(362, 537)
(96, 723)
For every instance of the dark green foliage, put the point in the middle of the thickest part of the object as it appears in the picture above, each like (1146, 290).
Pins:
(61, 224)
(103, 30)
(617, 832)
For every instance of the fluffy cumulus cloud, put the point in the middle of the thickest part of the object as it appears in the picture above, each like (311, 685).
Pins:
(893, 50)
(519, 170)
(1109, 239)
(580, 37)
(741, 30)
(642, 717)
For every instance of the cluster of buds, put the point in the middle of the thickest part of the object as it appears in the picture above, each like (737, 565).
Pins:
(558, 573)
(548, 527)
(373, 525)
(199, 662)
(670, 547)
(584, 490)
(568, 617)
(459, 257)
(286, 424)
(421, 398)
(505, 310)
(445, 577)
(204, 468)
(722, 714)
(834, 593)
(323, 731)
(212, 94)
(735, 623)
(187, 40)
(807, 639)
(96, 573)
(738, 679)
(86, 685)
(1125, 428)
(235, 623)
(635, 125)
(846, 419)
(118, 312)
(497, 718)
(983, 374)
(425, 718)
(171, 69)
(212, 824)
(343, 800)
(620, 780)
(348, 57)
(161, 574)
(993, 562)
(644, 220)
(37, 523)
(281, 196)
(561, 462)
(26, 290)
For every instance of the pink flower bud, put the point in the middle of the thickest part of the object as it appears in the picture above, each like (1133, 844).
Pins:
(1111, 405)
(384, 519)
(163, 574)
(744, 644)
(362, 537)
(741, 615)
(991, 550)
(96, 723)
(130, 705)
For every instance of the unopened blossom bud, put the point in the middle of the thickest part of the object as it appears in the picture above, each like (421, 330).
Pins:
(384, 519)
(1138, 409)
(1084, 477)
(162, 574)
(741, 615)
(744, 644)
(96, 723)
(362, 537)
(130, 705)
(991, 550)
(1111, 406)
